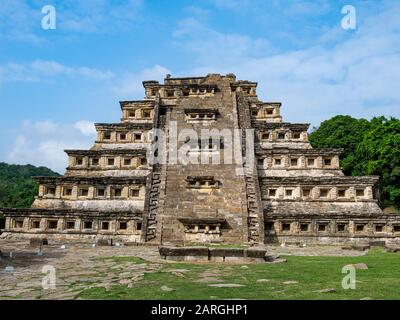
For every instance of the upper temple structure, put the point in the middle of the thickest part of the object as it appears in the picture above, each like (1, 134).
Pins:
(283, 190)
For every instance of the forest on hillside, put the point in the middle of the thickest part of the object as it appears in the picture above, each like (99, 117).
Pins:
(17, 188)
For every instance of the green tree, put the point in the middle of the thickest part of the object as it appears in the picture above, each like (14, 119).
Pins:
(370, 148)
(341, 132)
(379, 154)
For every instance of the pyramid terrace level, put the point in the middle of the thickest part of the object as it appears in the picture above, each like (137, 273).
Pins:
(281, 189)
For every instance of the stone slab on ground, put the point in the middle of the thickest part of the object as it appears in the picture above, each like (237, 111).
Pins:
(290, 282)
(392, 249)
(226, 285)
(360, 266)
(263, 280)
(327, 290)
(166, 289)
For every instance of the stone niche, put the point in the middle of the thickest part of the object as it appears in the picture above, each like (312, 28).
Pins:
(269, 112)
(196, 90)
(202, 183)
(137, 110)
(202, 230)
(201, 115)
(138, 113)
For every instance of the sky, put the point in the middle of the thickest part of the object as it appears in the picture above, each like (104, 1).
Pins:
(55, 83)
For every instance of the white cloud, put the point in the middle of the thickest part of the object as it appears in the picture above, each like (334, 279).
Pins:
(20, 20)
(212, 46)
(354, 73)
(53, 68)
(43, 127)
(43, 70)
(86, 127)
(131, 84)
(99, 15)
(43, 143)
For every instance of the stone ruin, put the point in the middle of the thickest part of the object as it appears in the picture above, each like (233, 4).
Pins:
(290, 192)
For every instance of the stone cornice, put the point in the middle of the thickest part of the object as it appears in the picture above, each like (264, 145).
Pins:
(378, 217)
(150, 83)
(125, 152)
(243, 83)
(72, 212)
(198, 220)
(266, 103)
(307, 180)
(306, 152)
(201, 111)
(263, 125)
(91, 180)
(123, 126)
(137, 103)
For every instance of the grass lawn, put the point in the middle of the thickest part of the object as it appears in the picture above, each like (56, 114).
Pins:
(380, 281)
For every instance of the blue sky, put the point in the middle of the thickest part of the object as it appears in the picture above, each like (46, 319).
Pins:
(55, 83)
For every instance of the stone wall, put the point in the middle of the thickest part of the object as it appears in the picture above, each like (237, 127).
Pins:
(74, 224)
(332, 228)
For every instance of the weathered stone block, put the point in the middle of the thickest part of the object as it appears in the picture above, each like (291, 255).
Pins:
(37, 242)
(216, 259)
(256, 253)
(360, 266)
(293, 243)
(226, 252)
(199, 258)
(392, 249)
(361, 247)
(183, 251)
(104, 242)
(270, 257)
(377, 243)
(131, 244)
